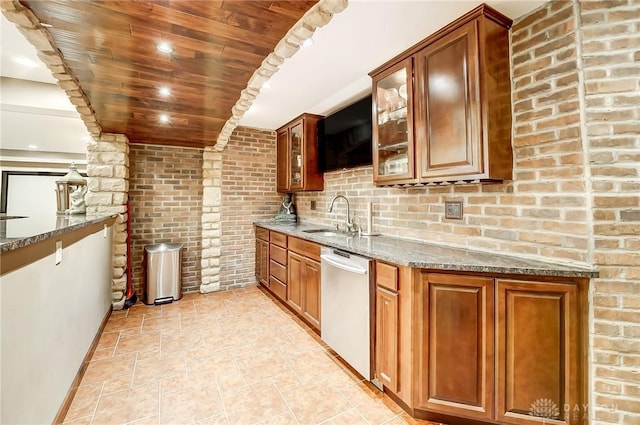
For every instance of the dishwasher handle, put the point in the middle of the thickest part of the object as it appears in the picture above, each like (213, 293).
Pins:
(336, 261)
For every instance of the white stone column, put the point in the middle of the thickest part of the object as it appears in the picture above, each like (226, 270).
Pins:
(108, 172)
(211, 216)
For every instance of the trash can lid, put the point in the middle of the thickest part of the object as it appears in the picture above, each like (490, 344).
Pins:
(163, 247)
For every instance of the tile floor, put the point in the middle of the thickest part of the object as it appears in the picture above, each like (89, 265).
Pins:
(231, 358)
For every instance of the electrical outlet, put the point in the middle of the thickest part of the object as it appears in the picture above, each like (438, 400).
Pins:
(58, 252)
(313, 205)
(453, 210)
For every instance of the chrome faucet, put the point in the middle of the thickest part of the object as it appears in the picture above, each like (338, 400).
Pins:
(348, 223)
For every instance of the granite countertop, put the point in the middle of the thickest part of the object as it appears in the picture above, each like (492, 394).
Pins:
(19, 231)
(428, 255)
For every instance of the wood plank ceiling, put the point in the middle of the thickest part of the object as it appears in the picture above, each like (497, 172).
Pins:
(111, 46)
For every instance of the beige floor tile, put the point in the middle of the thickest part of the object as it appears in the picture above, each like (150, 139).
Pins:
(286, 380)
(174, 383)
(231, 382)
(108, 340)
(118, 323)
(253, 404)
(109, 369)
(148, 311)
(208, 368)
(314, 403)
(312, 365)
(155, 369)
(350, 417)
(219, 419)
(370, 405)
(181, 306)
(194, 403)
(80, 421)
(155, 324)
(151, 420)
(237, 347)
(131, 343)
(127, 406)
(261, 365)
(181, 341)
(85, 401)
(285, 418)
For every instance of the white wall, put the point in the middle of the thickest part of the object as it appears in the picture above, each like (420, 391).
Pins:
(49, 317)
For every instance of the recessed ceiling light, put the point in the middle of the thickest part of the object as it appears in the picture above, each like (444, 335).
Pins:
(308, 42)
(267, 85)
(33, 147)
(25, 62)
(164, 47)
(86, 139)
(163, 118)
(164, 91)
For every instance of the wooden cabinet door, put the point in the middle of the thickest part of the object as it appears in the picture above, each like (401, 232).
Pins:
(296, 155)
(282, 161)
(387, 338)
(262, 262)
(457, 345)
(538, 365)
(448, 133)
(311, 292)
(393, 143)
(295, 273)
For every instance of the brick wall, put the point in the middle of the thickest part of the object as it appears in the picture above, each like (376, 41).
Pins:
(165, 195)
(611, 63)
(248, 194)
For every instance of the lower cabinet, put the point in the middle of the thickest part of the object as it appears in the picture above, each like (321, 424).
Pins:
(303, 293)
(262, 262)
(387, 338)
(456, 346)
(539, 364)
(483, 348)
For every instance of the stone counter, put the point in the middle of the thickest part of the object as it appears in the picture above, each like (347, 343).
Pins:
(428, 255)
(23, 231)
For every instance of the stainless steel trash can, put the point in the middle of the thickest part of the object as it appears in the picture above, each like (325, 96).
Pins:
(164, 273)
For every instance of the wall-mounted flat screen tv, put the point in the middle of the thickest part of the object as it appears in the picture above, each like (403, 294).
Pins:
(344, 137)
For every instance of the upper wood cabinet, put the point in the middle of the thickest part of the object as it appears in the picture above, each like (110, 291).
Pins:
(456, 86)
(297, 155)
(393, 145)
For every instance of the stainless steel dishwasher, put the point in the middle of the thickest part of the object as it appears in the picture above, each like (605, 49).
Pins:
(346, 320)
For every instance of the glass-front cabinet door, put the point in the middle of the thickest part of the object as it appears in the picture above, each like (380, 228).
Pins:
(296, 159)
(393, 149)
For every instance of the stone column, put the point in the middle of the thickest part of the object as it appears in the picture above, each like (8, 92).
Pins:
(108, 172)
(211, 231)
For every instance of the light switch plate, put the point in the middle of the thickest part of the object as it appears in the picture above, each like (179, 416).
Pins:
(58, 252)
(453, 210)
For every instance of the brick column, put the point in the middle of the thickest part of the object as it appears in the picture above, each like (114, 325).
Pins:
(211, 232)
(108, 172)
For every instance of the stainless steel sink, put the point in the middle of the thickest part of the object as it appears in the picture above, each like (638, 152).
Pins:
(323, 232)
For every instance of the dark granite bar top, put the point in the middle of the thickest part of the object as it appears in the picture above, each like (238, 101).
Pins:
(17, 232)
(428, 255)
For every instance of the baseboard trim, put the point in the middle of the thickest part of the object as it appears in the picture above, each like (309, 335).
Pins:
(64, 408)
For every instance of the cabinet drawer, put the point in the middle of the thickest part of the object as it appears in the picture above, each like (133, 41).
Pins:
(302, 247)
(262, 234)
(278, 270)
(278, 254)
(278, 288)
(278, 239)
(387, 276)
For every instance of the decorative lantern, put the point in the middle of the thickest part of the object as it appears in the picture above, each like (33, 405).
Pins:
(70, 191)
